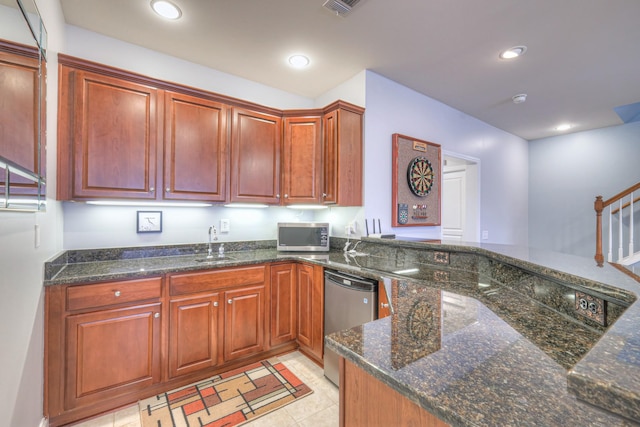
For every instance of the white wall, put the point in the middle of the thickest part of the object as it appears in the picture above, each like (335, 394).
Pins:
(392, 108)
(567, 172)
(21, 264)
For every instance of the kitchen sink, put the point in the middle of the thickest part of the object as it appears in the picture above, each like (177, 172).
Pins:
(215, 260)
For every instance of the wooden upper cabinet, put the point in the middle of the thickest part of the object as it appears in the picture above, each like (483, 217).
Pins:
(301, 160)
(255, 157)
(114, 132)
(19, 103)
(195, 148)
(342, 155)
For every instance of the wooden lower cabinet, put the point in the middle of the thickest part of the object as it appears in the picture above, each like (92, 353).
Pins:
(366, 401)
(110, 344)
(310, 310)
(112, 352)
(283, 303)
(244, 322)
(193, 333)
(384, 308)
(103, 346)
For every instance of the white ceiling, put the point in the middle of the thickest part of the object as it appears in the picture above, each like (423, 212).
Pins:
(583, 57)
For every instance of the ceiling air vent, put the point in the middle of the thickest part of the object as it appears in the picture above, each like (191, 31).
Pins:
(340, 7)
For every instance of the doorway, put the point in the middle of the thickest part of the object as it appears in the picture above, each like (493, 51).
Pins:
(460, 198)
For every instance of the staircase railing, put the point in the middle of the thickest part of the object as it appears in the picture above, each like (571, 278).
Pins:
(617, 205)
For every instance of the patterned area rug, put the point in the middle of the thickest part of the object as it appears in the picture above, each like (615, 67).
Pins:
(228, 399)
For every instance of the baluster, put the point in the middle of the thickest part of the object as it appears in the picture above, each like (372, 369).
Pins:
(610, 248)
(620, 251)
(631, 225)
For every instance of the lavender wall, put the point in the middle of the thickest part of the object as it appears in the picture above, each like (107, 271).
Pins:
(392, 108)
(567, 172)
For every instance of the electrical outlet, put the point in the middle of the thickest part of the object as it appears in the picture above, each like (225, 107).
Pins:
(224, 226)
(351, 228)
(485, 234)
(592, 307)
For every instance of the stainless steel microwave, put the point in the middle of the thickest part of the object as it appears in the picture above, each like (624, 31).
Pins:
(303, 236)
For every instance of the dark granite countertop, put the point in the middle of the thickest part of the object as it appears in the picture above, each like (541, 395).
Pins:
(477, 342)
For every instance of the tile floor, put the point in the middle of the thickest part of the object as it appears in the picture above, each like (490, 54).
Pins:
(320, 409)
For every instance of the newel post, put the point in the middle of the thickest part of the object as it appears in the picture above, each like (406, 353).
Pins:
(598, 205)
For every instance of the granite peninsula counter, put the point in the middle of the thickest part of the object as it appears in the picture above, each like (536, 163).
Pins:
(481, 335)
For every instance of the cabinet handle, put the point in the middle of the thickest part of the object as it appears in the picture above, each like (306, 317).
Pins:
(215, 303)
(277, 196)
(167, 189)
(286, 196)
(229, 301)
(383, 305)
(324, 195)
(156, 315)
(152, 189)
(116, 293)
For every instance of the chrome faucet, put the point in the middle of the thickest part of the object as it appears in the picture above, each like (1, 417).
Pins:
(213, 235)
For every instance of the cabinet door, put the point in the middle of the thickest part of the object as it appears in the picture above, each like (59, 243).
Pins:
(342, 146)
(19, 130)
(255, 157)
(195, 148)
(283, 303)
(193, 334)
(115, 138)
(244, 317)
(310, 311)
(111, 352)
(384, 309)
(301, 173)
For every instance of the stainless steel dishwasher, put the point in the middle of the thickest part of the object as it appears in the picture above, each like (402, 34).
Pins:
(348, 301)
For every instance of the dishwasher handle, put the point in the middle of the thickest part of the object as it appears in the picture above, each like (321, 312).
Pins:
(347, 280)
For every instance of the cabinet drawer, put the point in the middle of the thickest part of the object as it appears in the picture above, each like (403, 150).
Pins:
(104, 294)
(180, 284)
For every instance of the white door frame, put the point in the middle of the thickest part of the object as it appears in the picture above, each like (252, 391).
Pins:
(473, 178)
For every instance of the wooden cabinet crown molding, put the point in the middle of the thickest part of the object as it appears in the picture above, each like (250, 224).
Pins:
(18, 49)
(83, 64)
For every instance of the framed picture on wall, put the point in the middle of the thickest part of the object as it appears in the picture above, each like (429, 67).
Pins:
(416, 182)
(149, 221)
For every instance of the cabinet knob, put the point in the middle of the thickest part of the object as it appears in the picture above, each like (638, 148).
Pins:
(116, 293)
(152, 189)
(286, 196)
(156, 315)
(215, 303)
(229, 301)
(167, 189)
(383, 305)
(277, 196)
(324, 195)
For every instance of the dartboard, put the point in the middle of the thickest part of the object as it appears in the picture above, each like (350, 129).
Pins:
(420, 176)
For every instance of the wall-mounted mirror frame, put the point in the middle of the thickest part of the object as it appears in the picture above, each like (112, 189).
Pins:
(22, 184)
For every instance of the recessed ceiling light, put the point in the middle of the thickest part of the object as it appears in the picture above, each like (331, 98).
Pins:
(513, 52)
(520, 98)
(298, 61)
(166, 9)
(563, 127)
